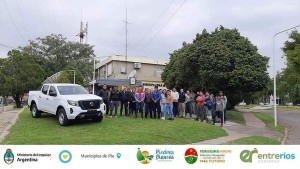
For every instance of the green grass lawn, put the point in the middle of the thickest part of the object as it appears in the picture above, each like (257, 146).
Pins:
(269, 122)
(255, 140)
(46, 130)
(286, 108)
(236, 117)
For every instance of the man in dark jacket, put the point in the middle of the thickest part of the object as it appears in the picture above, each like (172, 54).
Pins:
(122, 94)
(148, 103)
(115, 98)
(125, 100)
(156, 97)
(103, 93)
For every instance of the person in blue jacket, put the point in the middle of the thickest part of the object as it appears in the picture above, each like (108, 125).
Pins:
(156, 97)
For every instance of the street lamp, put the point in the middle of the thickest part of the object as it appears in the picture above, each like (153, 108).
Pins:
(94, 74)
(275, 74)
(74, 74)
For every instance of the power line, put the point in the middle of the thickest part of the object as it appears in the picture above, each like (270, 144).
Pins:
(22, 18)
(155, 23)
(164, 25)
(14, 21)
(6, 46)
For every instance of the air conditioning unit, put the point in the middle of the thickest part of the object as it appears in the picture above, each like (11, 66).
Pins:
(137, 65)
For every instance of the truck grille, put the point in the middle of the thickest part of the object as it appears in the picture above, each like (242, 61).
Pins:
(89, 104)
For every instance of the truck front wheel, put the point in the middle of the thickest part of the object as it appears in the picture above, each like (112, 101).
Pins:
(34, 111)
(62, 117)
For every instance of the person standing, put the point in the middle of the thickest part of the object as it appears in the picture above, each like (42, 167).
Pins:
(225, 103)
(104, 93)
(183, 98)
(156, 97)
(192, 98)
(219, 110)
(114, 101)
(132, 104)
(163, 102)
(122, 101)
(189, 104)
(139, 100)
(175, 103)
(170, 102)
(196, 107)
(148, 103)
(213, 109)
(208, 107)
(200, 106)
(126, 99)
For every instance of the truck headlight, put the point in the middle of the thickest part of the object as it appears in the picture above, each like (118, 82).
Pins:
(101, 101)
(73, 103)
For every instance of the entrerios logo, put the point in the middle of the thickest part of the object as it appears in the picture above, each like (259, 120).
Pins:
(247, 156)
(144, 157)
(191, 156)
(9, 156)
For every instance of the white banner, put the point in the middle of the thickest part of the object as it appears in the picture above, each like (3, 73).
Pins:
(146, 156)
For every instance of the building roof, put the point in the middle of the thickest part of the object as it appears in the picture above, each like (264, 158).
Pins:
(131, 59)
(117, 82)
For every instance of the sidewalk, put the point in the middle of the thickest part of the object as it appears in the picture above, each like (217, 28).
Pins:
(254, 127)
(7, 120)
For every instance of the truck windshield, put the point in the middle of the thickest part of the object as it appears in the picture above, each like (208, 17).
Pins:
(71, 90)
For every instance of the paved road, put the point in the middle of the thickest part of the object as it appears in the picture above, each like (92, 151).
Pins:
(290, 119)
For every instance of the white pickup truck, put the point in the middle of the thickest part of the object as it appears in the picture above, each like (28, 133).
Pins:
(67, 102)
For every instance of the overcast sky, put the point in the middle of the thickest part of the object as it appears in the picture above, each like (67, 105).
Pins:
(156, 27)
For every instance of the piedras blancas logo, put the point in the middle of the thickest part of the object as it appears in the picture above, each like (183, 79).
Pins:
(164, 155)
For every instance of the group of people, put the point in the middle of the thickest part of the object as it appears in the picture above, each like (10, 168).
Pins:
(156, 104)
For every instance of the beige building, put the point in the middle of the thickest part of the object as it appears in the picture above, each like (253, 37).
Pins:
(142, 69)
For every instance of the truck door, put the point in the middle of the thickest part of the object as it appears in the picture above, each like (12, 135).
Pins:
(52, 102)
(42, 102)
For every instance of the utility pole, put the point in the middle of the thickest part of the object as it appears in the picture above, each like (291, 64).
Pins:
(126, 39)
(86, 32)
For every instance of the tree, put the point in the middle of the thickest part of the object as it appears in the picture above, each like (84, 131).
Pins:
(289, 79)
(288, 85)
(292, 51)
(19, 74)
(54, 53)
(67, 76)
(220, 60)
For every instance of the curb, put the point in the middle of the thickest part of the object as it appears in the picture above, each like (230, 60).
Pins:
(11, 123)
(286, 133)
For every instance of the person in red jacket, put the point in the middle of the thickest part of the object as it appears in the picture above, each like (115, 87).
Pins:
(200, 103)
(139, 99)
